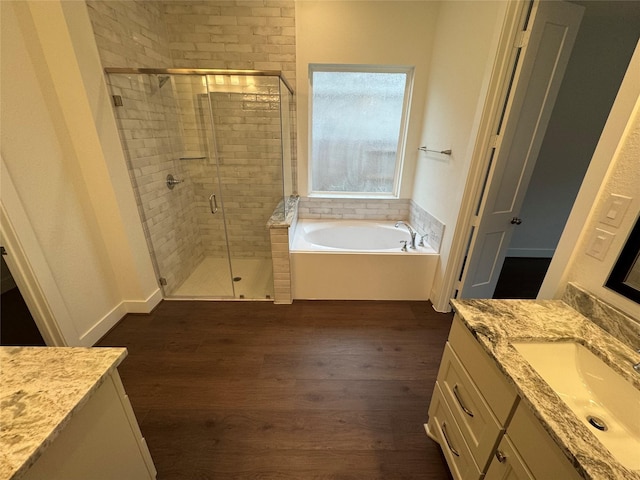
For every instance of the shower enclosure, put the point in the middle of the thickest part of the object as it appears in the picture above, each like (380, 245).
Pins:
(209, 156)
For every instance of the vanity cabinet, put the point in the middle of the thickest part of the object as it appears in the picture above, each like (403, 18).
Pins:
(471, 405)
(102, 441)
(482, 429)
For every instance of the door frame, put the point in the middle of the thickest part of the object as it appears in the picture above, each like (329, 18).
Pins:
(499, 79)
(556, 277)
(518, 137)
(40, 292)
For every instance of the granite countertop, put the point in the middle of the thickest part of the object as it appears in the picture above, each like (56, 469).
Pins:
(41, 388)
(284, 213)
(498, 323)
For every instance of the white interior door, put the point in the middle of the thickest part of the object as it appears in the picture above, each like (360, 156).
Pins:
(545, 48)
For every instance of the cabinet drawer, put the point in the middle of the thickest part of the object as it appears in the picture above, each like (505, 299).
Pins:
(443, 427)
(478, 425)
(507, 464)
(498, 393)
(538, 450)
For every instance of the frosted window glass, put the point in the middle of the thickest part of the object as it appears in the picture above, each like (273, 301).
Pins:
(356, 120)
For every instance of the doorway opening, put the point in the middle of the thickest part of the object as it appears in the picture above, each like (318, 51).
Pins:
(17, 326)
(603, 48)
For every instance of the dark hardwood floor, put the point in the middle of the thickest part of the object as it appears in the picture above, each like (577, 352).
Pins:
(521, 277)
(313, 390)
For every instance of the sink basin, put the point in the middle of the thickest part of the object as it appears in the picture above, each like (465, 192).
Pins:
(600, 397)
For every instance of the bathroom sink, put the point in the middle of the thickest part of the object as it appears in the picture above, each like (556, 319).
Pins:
(600, 397)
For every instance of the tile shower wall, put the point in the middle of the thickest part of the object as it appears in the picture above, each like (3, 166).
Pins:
(130, 33)
(253, 35)
(245, 35)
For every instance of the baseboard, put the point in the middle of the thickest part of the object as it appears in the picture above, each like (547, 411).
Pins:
(446, 309)
(429, 434)
(111, 319)
(144, 306)
(531, 252)
(102, 326)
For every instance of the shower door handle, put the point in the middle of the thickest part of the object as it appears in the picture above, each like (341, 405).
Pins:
(213, 203)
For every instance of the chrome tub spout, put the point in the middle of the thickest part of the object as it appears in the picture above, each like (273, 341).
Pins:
(412, 232)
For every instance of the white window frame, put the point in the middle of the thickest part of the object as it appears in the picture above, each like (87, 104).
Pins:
(404, 122)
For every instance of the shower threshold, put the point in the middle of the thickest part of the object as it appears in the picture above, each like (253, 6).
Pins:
(210, 280)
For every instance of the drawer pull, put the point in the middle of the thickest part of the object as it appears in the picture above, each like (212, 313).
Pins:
(462, 406)
(446, 439)
(501, 457)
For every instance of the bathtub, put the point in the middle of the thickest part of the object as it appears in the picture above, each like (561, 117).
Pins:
(358, 260)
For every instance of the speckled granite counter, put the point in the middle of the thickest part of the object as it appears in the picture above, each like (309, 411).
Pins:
(284, 213)
(40, 390)
(498, 323)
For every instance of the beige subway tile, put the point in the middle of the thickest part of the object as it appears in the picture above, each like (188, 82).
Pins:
(220, 20)
(265, 11)
(281, 21)
(210, 47)
(236, 30)
(251, 21)
(282, 39)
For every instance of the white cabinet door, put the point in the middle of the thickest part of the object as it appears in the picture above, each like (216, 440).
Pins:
(507, 464)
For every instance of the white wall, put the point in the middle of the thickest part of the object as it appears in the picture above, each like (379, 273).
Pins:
(63, 161)
(623, 178)
(462, 59)
(370, 33)
(615, 169)
(605, 42)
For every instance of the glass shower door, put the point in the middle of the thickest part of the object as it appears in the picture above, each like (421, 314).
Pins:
(212, 277)
(248, 136)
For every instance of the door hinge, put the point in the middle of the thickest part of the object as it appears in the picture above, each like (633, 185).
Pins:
(522, 39)
(3, 251)
(494, 141)
(163, 281)
(117, 100)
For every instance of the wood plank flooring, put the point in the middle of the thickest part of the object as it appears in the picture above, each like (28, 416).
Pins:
(313, 390)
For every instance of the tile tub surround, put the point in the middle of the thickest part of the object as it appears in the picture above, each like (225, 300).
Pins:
(427, 225)
(353, 208)
(498, 323)
(610, 319)
(37, 402)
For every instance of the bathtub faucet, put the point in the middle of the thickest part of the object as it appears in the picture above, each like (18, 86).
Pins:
(412, 232)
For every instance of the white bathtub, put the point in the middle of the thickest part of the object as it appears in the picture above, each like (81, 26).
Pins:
(358, 260)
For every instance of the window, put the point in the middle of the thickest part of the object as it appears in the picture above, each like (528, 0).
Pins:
(358, 128)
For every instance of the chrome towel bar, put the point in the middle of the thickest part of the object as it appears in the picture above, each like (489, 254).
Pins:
(444, 152)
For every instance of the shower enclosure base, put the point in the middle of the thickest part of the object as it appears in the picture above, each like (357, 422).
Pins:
(210, 280)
